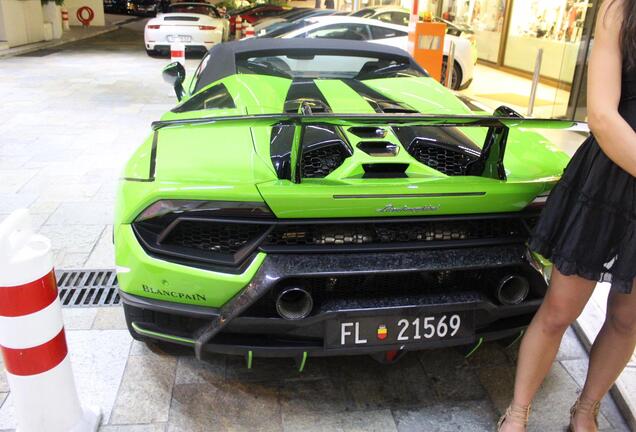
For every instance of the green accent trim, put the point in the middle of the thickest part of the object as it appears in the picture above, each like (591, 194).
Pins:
(150, 333)
(250, 357)
(303, 361)
(472, 351)
(521, 333)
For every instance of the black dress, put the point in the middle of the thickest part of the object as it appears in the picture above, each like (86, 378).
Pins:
(588, 227)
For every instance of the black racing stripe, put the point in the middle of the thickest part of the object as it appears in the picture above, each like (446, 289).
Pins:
(379, 102)
(153, 156)
(305, 89)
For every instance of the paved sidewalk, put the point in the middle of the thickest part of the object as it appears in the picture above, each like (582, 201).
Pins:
(587, 327)
(140, 389)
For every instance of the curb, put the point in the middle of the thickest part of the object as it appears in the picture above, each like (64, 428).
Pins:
(618, 391)
(52, 44)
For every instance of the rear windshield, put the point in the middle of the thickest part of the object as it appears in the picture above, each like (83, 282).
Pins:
(201, 9)
(283, 29)
(327, 66)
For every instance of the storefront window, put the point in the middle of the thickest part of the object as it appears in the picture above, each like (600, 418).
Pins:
(554, 25)
(484, 17)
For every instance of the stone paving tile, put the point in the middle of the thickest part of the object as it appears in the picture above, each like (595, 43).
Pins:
(153, 427)
(69, 214)
(473, 416)
(110, 318)
(450, 375)
(12, 180)
(103, 254)
(578, 370)
(571, 348)
(79, 318)
(353, 421)
(192, 371)
(145, 391)
(232, 406)
(9, 202)
(73, 239)
(311, 396)
(372, 385)
(274, 370)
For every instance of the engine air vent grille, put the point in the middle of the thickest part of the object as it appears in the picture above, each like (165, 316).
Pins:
(322, 161)
(387, 233)
(446, 160)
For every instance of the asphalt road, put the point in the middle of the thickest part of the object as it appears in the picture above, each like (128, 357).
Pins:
(69, 118)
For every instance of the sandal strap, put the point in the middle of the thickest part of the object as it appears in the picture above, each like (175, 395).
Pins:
(586, 406)
(517, 414)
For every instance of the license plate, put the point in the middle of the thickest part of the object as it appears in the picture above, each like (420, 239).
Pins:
(179, 38)
(409, 328)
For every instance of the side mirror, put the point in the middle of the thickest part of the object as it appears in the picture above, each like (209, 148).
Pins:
(174, 74)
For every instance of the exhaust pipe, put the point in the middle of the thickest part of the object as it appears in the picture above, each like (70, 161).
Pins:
(294, 304)
(512, 290)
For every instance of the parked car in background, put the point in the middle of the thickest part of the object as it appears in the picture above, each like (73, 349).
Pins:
(251, 14)
(265, 25)
(142, 7)
(198, 26)
(115, 6)
(401, 16)
(372, 30)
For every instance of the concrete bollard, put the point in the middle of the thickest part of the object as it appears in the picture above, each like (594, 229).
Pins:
(32, 336)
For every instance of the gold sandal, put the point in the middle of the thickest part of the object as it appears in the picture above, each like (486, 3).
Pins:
(584, 406)
(517, 414)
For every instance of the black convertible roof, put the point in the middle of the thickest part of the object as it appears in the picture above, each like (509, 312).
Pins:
(222, 62)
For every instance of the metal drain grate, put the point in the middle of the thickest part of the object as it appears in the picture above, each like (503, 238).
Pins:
(88, 288)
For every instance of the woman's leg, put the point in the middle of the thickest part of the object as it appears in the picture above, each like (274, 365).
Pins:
(563, 303)
(611, 351)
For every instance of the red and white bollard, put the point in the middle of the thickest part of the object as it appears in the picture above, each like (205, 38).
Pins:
(32, 336)
(65, 23)
(177, 53)
(238, 27)
(249, 30)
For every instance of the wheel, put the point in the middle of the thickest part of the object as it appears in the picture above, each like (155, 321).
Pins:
(152, 53)
(456, 79)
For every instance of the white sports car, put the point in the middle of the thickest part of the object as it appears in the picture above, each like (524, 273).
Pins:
(354, 28)
(198, 26)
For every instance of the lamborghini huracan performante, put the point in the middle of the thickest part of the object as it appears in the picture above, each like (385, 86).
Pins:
(326, 197)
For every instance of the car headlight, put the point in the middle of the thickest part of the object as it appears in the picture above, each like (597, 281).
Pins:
(212, 208)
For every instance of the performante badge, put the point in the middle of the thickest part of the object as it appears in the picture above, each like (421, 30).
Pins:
(382, 332)
(390, 208)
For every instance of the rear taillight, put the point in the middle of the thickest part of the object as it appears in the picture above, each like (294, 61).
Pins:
(154, 27)
(207, 27)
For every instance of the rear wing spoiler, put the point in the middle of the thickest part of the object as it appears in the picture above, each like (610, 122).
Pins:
(489, 164)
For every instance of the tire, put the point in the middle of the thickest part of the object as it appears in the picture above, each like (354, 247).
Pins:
(457, 74)
(152, 53)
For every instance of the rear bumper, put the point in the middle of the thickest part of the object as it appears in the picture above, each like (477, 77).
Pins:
(161, 48)
(240, 326)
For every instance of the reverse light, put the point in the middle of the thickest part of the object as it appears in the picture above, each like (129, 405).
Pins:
(154, 27)
(205, 27)
(216, 208)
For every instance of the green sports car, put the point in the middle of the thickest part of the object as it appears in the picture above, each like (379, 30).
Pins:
(313, 197)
